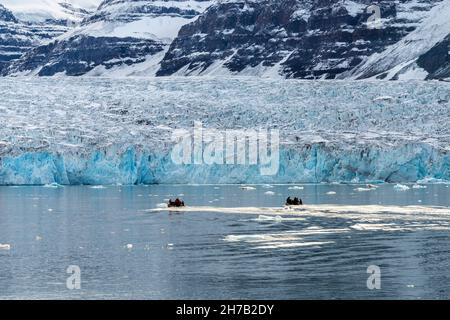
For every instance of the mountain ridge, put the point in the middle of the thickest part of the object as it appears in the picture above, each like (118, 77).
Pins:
(306, 39)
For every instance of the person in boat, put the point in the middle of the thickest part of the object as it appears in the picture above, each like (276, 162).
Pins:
(176, 204)
(295, 202)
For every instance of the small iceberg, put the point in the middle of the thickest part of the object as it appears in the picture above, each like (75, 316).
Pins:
(270, 193)
(53, 185)
(418, 186)
(363, 189)
(296, 188)
(5, 246)
(331, 193)
(433, 181)
(247, 188)
(401, 187)
(98, 187)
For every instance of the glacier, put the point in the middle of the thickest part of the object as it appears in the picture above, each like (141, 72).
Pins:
(99, 131)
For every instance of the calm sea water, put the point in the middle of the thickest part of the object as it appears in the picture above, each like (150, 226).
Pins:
(127, 250)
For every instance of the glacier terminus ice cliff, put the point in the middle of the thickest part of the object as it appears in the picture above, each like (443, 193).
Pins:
(73, 131)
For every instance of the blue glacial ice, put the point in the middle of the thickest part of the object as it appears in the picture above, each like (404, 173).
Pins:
(118, 131)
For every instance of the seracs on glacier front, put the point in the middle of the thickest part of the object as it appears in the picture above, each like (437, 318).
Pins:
(118, 131)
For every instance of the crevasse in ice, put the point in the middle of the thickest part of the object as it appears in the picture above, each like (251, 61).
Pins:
(118, 131)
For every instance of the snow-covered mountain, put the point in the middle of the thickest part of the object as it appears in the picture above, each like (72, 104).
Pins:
(411, 57)
(26, 24)
(436, 61)
(17, 37)
(290, 38)
(39, 11)
(123, 37)
(307, 39)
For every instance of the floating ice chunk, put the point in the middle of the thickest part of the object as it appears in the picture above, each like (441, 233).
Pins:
(270, 193)
(430, 180)
(53, 185)
(331, 193)
(247, 188)
(98, 187)
(129, 246)
(296, 188)
(363, 189)
(401, 187)
(267, 186)
(38, 238)
(5, 246)
(162, 205)
(418, 186)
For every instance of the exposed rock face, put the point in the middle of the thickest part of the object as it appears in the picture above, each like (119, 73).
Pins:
(17, 37)
(127, 11)
(6, 15)
(80, 54)
(35, 25)
(399, 61)
(307, 39)
(119, 35)
(292, 38)
(50, 11)
(437, 60)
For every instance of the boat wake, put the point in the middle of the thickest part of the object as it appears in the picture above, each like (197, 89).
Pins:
(338, 219)
(360, 212)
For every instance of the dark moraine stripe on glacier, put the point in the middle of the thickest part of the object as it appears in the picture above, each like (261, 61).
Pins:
(118, 131)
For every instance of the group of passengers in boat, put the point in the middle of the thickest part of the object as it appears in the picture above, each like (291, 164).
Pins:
(289, 202)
